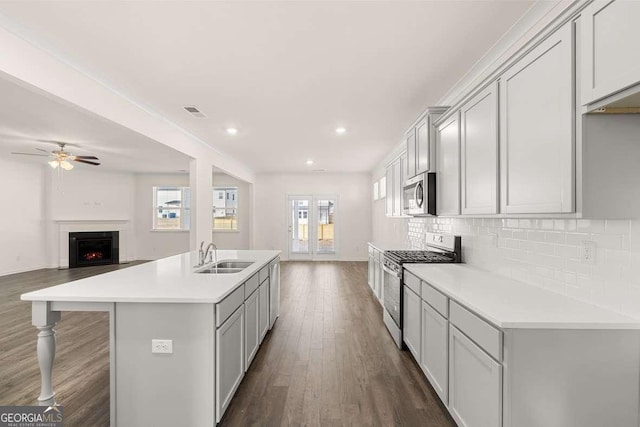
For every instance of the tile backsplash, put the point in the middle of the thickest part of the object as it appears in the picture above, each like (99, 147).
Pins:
(547, 253)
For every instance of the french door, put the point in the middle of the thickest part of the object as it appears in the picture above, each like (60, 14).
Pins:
(311, 226)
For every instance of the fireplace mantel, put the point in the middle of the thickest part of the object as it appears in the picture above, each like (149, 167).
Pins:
(66, 226)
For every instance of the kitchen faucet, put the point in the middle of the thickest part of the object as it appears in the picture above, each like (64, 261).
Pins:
(202, 255)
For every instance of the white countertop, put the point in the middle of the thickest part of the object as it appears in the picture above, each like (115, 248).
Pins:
(390, 247)
(508, 303)
(168, 280)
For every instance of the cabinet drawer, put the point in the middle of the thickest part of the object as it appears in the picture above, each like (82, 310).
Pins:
(436, 299)
(482, 333)
(263, 274)
(412, 282)
(227, 306)
(251, 285)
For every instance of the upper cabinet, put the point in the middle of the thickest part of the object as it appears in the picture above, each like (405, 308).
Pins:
(420, 143)
(479, 153)
(610, 48)
(448, 166)
(536, 129)
(396, 176)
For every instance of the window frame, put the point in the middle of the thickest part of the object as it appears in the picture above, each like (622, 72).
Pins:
(184, 209)
(226, 188)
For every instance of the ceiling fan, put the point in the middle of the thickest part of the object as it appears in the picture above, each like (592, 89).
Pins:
(63, 158)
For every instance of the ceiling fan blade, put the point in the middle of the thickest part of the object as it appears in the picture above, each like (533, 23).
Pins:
(86, 157)
(86, 161)
(31, 154)
(44, 151)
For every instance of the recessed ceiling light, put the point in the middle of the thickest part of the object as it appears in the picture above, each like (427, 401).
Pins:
(309, 162)
(341, 130)
(232, 131)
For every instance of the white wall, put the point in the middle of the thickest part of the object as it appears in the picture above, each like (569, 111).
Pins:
(22, 224)
(156, 244)
(235, 239)
(353, 213)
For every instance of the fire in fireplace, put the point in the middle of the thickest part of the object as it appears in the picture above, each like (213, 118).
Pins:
(93, 248)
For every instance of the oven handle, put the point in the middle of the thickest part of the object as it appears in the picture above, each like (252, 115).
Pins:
(393, 273)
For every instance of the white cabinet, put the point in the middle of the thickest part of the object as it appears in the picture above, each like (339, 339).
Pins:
(448, 166)
(229, 360)
(610, 48)
(263, 311)
(274, 291)
(389, 199)
(479, 153)
(536, 129)
(475, 383)
(410, 141)
(411, 321)
(434, 359)
(251, 329)
(423, 148)
(371, 273)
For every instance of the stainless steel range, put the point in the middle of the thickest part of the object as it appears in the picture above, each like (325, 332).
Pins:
(441, 248)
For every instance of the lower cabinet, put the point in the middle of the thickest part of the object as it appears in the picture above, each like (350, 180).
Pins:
(411, 321)
(434, 359)
(475, 383)
(229, 360)
(263, 301)
(371, 276)
(274, 291)
(251, 328)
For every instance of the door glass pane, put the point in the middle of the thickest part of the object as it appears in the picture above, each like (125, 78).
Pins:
(299, 226)
(326, 227)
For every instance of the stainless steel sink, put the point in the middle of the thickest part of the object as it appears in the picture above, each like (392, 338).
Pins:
(234, 264)
(214, 270)
(226, 267)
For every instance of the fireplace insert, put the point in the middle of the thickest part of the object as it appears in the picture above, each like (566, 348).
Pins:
(93, 248)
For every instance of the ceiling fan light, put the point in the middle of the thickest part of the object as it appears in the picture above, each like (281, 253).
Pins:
(66, 165)
(54, 164)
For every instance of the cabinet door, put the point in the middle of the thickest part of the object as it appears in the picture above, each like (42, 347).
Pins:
(410, 138)
(610, 48)
(536, 129)
(475, 383)
(380, 283)
(372, 272)
(434, 359)
(411, 321)
(448, 166)
(274, 293)
(403, 180)
(397, 187)
(263, 301)
(377, 277)
(479, 153)
(251, 337)
(389, 199)
(229, 360)
(423, 149)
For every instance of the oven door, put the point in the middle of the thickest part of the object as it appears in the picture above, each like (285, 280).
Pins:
(392, 304)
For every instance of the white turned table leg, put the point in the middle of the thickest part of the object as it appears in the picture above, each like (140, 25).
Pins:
(44, 319)
(46, 355)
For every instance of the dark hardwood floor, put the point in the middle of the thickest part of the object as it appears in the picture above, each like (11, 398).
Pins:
(327, 361)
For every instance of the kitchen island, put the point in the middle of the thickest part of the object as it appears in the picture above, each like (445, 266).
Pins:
(180, 339)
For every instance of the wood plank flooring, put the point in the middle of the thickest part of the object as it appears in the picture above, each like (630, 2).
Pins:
(330, 361)
(327, 361)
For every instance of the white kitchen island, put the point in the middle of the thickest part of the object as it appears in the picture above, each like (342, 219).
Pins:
(210, 327)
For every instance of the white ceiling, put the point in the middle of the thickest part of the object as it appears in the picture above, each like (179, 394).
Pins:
(286, 74)
(28, 115)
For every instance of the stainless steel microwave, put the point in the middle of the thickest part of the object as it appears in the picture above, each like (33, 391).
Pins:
(419, 195)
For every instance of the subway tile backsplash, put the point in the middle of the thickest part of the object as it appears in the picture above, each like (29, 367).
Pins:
(547, 253)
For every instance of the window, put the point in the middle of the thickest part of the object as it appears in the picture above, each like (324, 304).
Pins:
(225, 208)
(171, 208)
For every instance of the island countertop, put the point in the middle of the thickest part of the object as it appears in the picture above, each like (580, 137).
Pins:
(168, 280)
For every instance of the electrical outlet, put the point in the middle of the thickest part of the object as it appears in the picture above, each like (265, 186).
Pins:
(588, 252)
(162, 346)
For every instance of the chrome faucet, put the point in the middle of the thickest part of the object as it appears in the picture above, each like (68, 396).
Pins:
(209, 254)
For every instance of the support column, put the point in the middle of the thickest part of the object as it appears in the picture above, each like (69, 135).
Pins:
(201, 183)
(44, 320)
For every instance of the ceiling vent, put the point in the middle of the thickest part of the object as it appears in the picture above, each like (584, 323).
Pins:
(195, 112)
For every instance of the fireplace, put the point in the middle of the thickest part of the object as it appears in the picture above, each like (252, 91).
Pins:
(93, 248)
